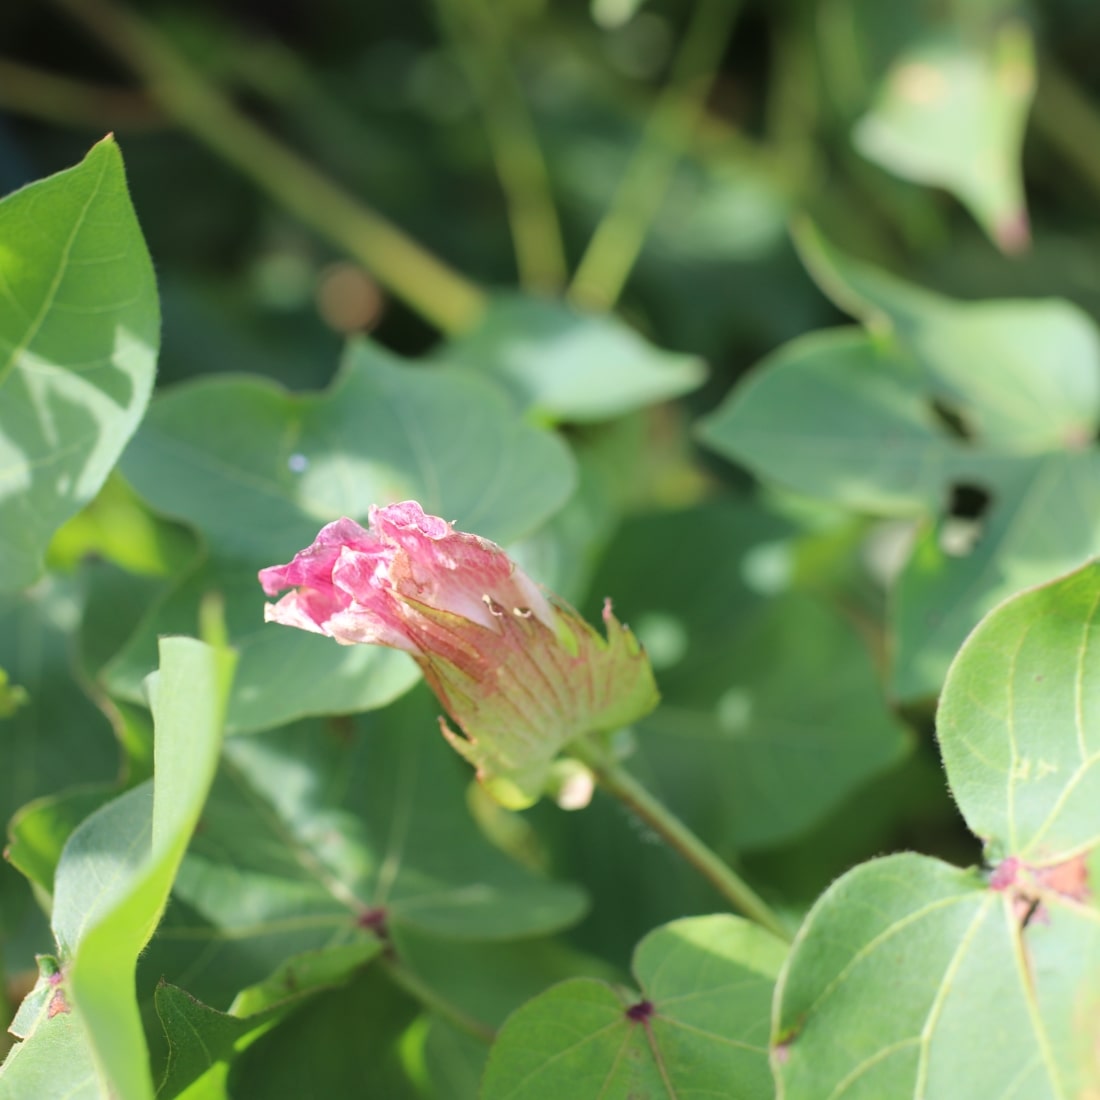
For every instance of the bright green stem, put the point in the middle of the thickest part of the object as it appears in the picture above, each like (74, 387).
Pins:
(619, 783)
(434, 1002)
(1069, 120)
(440, 294)
(618, 240)
(479, 39)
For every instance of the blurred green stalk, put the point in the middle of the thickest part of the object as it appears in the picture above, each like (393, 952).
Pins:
(30, 91)
(1069, 120)
(433, 289)
(480, 41)
(618, 239)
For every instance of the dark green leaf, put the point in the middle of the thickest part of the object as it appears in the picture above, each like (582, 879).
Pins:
(319, 834)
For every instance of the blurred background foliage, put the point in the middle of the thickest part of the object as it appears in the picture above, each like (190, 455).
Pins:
(483, 182)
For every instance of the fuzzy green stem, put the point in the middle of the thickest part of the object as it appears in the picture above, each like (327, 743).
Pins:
(408, 981)
(479, 40)
(439, 293)
(618, 240)
(620, 784)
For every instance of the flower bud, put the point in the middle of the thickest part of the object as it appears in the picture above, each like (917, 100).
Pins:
(519, 671)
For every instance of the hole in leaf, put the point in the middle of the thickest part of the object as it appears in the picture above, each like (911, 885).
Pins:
(950, 419)
(962, 526)
(969, 501)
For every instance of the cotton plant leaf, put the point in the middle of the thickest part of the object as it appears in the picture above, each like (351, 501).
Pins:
(324, 834)
(203, 1043)
(257, 471)
(951, 112)
(993, 977)
(696, 1025)
(111, 886)
(746, 760)
(937, 398)
(564, 364)
(79, 333)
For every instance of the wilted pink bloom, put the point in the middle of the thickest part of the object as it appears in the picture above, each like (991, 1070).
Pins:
(520, 672)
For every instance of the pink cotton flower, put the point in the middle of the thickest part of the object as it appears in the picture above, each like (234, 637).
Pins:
(521, 673)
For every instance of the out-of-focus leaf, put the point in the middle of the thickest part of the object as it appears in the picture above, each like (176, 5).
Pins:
(567, 365)
(752, 761)
(58, 738)
(202, 1042)
(284, 674)
(116, 527)
(363, 1040)
(257, 471)
(38, 831)
(79, 330)
(1005, 963)
(114, 877)
(698, 1024)
(997, 399)
(951, 112)
(487, 981)
(324, 834)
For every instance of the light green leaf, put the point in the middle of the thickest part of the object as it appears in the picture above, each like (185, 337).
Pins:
(1023, 376)
(951, 112)
(79, 331)
(1017, 723)
(983, 1002)
(325, 833)
(117, 868)
(697, 1026)
(810, 415)
(993, 982)
(1000, 399)
(567, 365)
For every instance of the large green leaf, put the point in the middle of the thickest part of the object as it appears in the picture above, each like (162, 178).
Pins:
(257, 470)
(1017, 725)
(951, 112)
(115, 874)
(325, 833)
(569, 365)
(732, 747)
(79, 330)
(998, 398)
(58, 738)
(992, 980)
(696, 1026)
